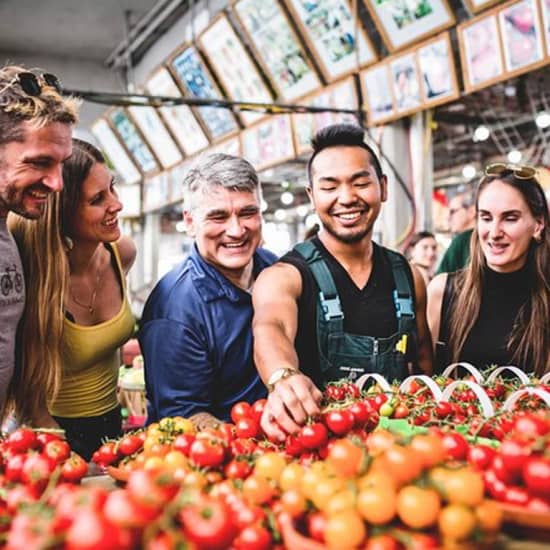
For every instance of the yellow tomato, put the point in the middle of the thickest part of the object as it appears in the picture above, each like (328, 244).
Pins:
(175, 459)
(270, 466)
(291, 476)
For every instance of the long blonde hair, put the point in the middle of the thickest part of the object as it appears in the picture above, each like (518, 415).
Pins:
(529, 341)
(43, 247)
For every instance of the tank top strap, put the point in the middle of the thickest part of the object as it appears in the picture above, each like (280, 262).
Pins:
(116, 253)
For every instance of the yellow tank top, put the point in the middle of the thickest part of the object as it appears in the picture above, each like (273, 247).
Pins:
(91, 361)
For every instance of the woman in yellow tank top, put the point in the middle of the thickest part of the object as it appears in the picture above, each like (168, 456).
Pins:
(77, 314)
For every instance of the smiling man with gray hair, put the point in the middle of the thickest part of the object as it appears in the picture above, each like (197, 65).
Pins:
(196, 334)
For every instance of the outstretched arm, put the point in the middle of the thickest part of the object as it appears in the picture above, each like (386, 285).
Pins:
(275, 326)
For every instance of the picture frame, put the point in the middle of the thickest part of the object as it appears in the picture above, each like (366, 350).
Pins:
(269, 142)
(191, 72)
(230, 146)
(179, 118)
(438, 79)
(157, 191)
(335, 37)
(376, 83)
(522, 40)
(545, 14)
(480, 52)
(403, 22)
(159, 139)
(476, 6)
(115, 152)
(277, 48)
(233, 66)
(133, 140)
(341, 95)
(405, 83)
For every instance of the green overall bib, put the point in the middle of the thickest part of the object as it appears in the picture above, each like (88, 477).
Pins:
(344, 355)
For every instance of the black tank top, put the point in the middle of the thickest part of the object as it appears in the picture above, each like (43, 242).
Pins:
(503, 295)
(369, 311)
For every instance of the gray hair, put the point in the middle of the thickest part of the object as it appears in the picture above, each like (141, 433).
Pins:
(219, 170)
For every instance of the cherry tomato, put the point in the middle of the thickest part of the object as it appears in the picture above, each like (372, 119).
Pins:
(74, 468)
(36, 471)
(456, 445)
(313, 436)
(183, 443)
(258, 409)
(242, 409)
(480, 456)
(339, 421)
(22, 440)
(361, 413)
(237, 469)
(514, 455)
(247, 428)
(129, 444)
(207, 453)
(57, 450)
(536, 474)
(253, 537)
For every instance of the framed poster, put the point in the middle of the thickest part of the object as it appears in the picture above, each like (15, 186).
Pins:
(231, 146)
(334, 35)
(233, 66)
(476, 6)
(402, 22)
(521, 36)
(406, 83)
(437, 71)
(132, 139)
(120, 160)
(480, 52)
(545, 9)
(277, 48)
(177, 175)
(378, 92)
(197, 81)
(269, 142)
(156, 135)
(338, 95)
(179, 118)
(156, 192)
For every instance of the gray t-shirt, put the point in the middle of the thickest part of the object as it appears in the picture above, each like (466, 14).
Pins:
(12, 302)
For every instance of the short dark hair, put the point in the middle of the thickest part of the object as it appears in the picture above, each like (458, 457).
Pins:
(342, 135)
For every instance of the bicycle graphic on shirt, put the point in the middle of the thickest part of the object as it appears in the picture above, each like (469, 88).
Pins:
(8, 282)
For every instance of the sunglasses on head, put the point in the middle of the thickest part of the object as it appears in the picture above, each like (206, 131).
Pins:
(520, 171)
(33, 85)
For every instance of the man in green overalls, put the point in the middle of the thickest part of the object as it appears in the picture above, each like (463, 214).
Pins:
(337, 306)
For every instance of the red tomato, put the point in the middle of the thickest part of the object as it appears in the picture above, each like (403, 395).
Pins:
(443, 409)
(106, 454)
(455, 445)
(293, 445)
(207, 453)
(258, 409)
(57, 450)
(152, 489)
(45, 437)
(495, 487)
(536, 474)
(528, 425)
(247, 428)
(361, 413)
(313, 436)
(208, 523)
(22, 440)
(501, 472)
(514, 455)
(240, 410)
(401, 411)
(516, 495)
(237, 469)
(480, 456)
(74, 468)
(244, 514)
(14, 467)
(253, 537)
(122, 510)
(36, 471)
(339, 421)
(19, 495)
(316, 523)
(129, 444)
(334, 393)
(183, 443)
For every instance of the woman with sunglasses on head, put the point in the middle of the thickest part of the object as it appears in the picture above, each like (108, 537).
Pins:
(77, 315)
(497, 309)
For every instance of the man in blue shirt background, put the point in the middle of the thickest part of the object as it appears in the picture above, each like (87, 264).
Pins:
(196, 335)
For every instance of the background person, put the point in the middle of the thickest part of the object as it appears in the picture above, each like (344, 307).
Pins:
(196, 334)
(461, 223)
(77, 314)
(496, 311)
(35, 138)
(339, 305)
(422, 253)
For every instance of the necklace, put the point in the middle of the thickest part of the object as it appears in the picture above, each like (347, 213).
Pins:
(91, 306)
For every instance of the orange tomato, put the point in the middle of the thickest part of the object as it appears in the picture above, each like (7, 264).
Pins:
(464, 486)
(456, 522)
(291, 476)
(346, 458)
(403, 463)
(489, 516)
(344, 499)
(270, 465)
(345, 530)
(175, 459)
(258, 490)
(418, 508)
(377, 505)
(430, 448)
(377, 477)
(294, 503)
(324, 490)
(379, 440)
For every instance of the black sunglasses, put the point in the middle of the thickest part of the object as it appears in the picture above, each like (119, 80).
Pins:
(33, 85)
(520, 171)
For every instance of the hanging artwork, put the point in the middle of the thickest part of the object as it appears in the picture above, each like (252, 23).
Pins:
(480, 52)
(437, 71)
(179, 118)
(334, 34)
(156, 135)
(476, 6)
(195, 78)
(134, 142)
(545, 8)
(521, 36)
(405, 82)
(277, 48)
(402, 22)
(233, 66)
(377, 89)
(115, 152)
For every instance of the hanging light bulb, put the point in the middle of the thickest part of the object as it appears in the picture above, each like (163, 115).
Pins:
(280, 215)
(469, 171)
(311, 220)
(302, 210)
(514, 156)
(542, 120)
(263, 205)
(287, 198)
(481, 133)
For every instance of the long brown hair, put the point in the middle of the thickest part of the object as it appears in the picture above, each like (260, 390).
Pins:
(43, 247)
(529, 340)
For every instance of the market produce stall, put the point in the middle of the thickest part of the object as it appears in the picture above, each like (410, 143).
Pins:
(429, 463)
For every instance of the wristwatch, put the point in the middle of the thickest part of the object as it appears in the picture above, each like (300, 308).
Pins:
(278, 375)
